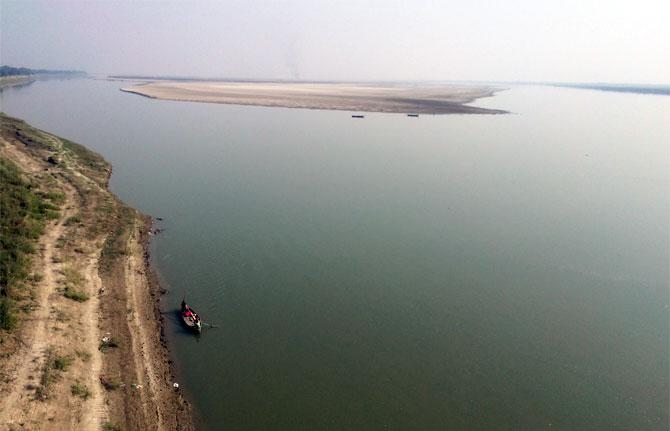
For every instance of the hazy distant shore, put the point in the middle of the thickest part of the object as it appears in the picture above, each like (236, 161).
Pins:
(388, 98)
(17, 76)
(15, 80)
(662, 90)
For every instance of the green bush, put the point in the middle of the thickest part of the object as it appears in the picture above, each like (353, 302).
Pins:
(110, 426)
(72, 220)
(62, 363)
(7, 316)
(55, 197)
(79, 390)
(75, 295)
(23, 213)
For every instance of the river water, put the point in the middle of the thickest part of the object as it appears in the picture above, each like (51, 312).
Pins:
(464, 272)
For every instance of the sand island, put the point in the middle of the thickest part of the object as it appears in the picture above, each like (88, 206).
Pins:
(363, 97)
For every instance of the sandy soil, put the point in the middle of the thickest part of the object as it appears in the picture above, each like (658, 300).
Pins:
(423, 99)
(104, 255)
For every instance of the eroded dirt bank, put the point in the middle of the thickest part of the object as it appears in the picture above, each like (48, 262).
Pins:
(87, 353)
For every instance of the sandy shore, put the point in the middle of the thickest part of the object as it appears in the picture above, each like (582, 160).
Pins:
(100, 362)
(15, 81)
(419, 99)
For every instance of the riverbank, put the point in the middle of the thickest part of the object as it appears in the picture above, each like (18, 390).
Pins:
(15, 80)
(88, 350)
(387, 98)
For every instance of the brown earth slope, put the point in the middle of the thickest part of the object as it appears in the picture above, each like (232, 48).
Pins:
(88, 352)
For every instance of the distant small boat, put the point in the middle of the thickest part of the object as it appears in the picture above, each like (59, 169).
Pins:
(190, 317)
(358, 116)
(412, 115)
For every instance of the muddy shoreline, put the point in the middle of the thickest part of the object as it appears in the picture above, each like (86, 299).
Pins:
(163, 311)
(185, 418)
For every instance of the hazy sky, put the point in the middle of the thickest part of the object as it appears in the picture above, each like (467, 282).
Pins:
(570, 40)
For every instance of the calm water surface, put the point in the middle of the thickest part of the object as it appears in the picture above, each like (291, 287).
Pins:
(393, 273)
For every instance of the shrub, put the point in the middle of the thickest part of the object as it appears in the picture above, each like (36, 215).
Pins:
(79, 390)
(110, 426)
(55, 197)
(41, 393)
(75, 295)
(106, 343)
(72, 220)
(62, 363)
(7, 316)
(110, 384)
(47, 377)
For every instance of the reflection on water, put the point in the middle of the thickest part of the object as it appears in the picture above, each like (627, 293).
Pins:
(431, 273)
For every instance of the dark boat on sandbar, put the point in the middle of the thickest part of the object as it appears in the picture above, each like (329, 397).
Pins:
(358, 116)
(190, 318)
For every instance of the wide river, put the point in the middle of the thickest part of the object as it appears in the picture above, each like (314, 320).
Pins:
(436, 273)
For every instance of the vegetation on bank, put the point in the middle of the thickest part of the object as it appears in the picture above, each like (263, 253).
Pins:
(24, 211)
(27, 204)
(91, 164)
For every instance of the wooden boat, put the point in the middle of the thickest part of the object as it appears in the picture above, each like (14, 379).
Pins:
(412, 115)
(358, 116)
(190, 317)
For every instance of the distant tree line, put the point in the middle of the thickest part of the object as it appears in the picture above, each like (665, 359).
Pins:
(621, 88)
(14, 71)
